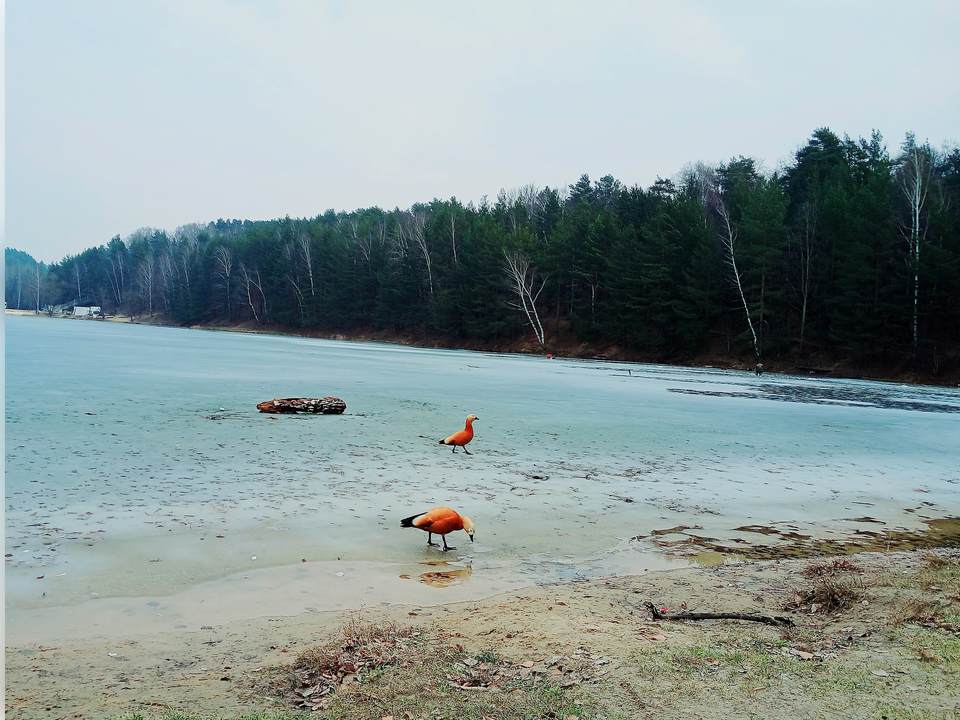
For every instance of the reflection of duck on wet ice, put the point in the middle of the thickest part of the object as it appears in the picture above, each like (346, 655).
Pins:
(461, 438)
(439, 520)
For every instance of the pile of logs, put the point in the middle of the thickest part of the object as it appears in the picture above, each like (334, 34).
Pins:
(327, 405)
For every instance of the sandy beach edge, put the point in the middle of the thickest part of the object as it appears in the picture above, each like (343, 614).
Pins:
(215, 669)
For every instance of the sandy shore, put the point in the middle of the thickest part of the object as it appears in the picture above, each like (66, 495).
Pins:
(870, 660)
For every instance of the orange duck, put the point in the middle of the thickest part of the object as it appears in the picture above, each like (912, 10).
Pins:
(440, 520)
(461, 438)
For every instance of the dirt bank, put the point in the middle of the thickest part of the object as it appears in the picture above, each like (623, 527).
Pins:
(893, 651)
(566, 344)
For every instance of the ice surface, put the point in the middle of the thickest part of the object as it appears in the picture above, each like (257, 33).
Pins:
(122, 472)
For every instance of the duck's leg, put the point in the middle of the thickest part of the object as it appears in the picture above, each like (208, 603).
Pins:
(467, 451)
(445, 546)
(429, 538)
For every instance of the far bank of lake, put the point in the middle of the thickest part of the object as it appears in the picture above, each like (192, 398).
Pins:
(566, 345)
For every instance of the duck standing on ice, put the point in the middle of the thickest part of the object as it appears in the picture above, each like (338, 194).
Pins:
(461, 438)
(439, 520)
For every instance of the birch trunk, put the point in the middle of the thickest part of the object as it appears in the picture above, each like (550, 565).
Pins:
(729, 239)
(806, 266)
(525, 285)
(914, 179)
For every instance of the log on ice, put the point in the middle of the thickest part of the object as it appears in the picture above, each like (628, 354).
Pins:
(327, 405)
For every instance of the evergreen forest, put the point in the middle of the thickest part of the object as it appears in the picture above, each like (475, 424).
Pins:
(848, 253)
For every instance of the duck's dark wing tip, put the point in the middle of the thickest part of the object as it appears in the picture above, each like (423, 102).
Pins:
(408, 521)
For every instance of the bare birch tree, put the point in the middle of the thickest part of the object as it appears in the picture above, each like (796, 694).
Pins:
(704, 180)
(223, 258)
(412, 227)
(167, 267)
(914, 177)
(189, 249)
(728, 240)
(526, 197)
(116, 255)
(145, 281)
(805, 251)
(532, 199)
(374, 234)
(453, 230)
(527, 286)
(253, 280)
(305, 245)
(292, 276)
(36, 278)
(77, 273)
(399, 241)
(14, 279)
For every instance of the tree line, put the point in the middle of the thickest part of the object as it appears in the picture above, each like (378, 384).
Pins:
(845, 252)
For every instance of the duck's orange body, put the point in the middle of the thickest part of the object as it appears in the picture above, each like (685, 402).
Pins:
(461, 438)
(439, 520)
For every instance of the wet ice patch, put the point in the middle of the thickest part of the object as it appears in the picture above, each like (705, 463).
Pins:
(149, 495)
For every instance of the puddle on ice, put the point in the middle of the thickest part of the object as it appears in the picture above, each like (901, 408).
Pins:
(137, 466)
(708, 558)
(444, 578)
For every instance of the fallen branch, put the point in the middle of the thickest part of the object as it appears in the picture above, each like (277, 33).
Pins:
(777, 620)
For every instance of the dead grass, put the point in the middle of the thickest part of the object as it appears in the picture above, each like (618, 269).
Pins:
(320, 671)
(837, 566)
(938, 572)
(173, 715)
(746, 670)
(931, 596)
(943, 650)
(407, 673)
(737, 661)
(935, 561)
(752, 674)
(918, 610)
(826, 596)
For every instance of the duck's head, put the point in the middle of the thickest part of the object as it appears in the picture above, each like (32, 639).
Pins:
(471, 417)
(468, 526)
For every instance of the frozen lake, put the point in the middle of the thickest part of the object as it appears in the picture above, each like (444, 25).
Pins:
(135, 497)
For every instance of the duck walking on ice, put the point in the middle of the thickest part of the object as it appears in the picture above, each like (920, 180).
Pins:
(461, 438)
(440, 520)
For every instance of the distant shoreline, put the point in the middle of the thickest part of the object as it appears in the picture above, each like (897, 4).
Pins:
(34, 313)
(573, 350)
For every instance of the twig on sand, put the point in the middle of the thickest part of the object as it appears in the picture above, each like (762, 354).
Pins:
(777, 620)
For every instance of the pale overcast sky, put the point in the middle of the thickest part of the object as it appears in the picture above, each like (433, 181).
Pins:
(125, 114)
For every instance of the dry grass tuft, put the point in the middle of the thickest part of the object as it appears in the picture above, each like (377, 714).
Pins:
(918, 610)
(376, 671)
(934, 561)
(826, 596)
(320, 671)
(830, 569)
